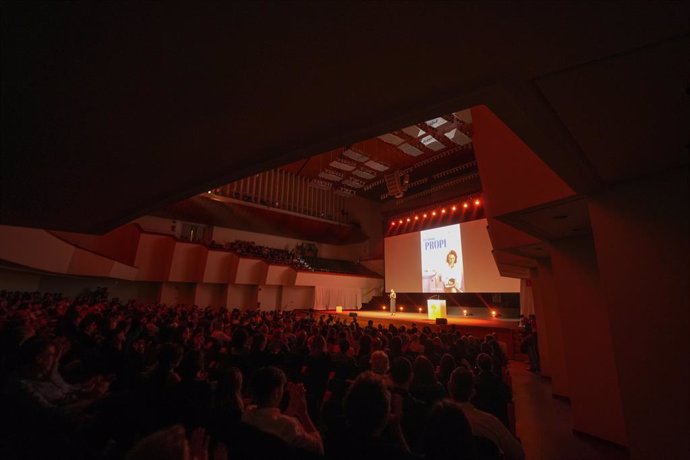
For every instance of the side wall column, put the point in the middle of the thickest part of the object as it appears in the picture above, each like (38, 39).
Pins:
(594, 387)
(641, 238)
(550, 334)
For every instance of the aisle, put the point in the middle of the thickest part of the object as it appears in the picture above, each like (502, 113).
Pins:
(544, 423)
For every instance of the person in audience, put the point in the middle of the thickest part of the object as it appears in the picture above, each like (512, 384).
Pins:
(42, 415)
(364, 354)
(379, 363)
(424, 384)
(228, 404)
(414, 411)
(446, 367)
(483, 424)
(157, 394)
(530, 344)
(395, 347)
(317, 367)
(41, 383)
(295, 427)
(491, 394)
(194, 394)
(344, 364)
(448, 435)
(368, 414)
(172, 444)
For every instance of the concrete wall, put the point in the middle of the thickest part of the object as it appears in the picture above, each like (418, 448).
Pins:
(641, 240)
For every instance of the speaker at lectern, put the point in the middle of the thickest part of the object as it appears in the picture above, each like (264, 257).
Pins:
(436, 308)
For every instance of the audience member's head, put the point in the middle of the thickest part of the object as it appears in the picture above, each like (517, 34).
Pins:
(461, 384)
(379, 362)
(401, 372)
(169, 356)
(344, 346)
(168, 444)
(424, 372)
(484, 362)
(447, 366)
(267, 386)
(229, 383)
(448, 434)
(364, 345)
(367, 406)
(192, 365)
(37, 356)
(318, 345)
(396, 345)
(239, 339)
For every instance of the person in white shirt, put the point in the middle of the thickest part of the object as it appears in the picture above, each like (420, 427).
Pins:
(450, 275)
(295, 427)
(483, 424)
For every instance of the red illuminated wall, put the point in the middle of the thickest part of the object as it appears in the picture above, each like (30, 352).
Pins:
(512, 176)
(119, 244)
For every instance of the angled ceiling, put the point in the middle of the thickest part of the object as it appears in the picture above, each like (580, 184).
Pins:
(404, 162)
(111, 111)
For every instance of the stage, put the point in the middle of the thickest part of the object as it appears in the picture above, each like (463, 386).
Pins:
(506, 329)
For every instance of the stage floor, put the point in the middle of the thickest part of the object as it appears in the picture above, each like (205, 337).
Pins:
(406, 319)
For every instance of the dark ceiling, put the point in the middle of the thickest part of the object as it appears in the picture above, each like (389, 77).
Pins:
(111, 111)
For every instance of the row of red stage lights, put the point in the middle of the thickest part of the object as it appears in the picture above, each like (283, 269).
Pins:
(434, 213)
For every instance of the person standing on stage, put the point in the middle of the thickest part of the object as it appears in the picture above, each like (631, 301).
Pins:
(392, 297)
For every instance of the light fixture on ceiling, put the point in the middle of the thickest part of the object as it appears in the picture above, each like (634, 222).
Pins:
(364, 173)
(410, 150)
(432, 143)
(437, 122)
(343, 164)
(344, 191)
(458, 137)
(391, 139)
(464, 116)
(320, 184)
(354, 155)
(377, 165)
(414, 131)
(354, 183)
(331, 174)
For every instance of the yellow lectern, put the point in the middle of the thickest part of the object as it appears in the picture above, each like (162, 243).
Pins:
(436, 308)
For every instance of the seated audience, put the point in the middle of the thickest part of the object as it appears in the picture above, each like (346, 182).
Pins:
(185, 364)
(483, 424)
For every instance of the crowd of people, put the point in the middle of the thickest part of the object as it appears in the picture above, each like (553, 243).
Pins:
(93, 377)
(270, 255)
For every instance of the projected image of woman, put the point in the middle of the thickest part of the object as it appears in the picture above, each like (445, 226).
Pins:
(451, 273)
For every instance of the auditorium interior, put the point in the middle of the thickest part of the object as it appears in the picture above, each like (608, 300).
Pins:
(261, 155)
